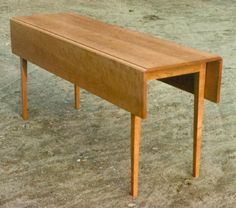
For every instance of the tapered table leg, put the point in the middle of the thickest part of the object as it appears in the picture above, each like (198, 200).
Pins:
(77, 96)
(23, 65)
(135, 140)
(199, 86)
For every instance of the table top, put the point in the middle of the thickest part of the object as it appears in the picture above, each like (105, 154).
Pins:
(145, 52)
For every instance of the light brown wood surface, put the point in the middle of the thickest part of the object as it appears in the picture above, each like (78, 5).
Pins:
(120, 84)
(130, 54)
(25, 114)
(77, 96)
(199, 86)
(212, 83)
(132, 48)
(115, 64)
(135, 142)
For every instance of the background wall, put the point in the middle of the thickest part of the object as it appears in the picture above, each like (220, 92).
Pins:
(67, 158)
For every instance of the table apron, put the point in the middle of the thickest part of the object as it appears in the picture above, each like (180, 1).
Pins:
(107, 78)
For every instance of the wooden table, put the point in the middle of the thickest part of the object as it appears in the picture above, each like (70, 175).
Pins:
(115, 64)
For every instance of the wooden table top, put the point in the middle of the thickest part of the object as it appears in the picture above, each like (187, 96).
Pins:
(109, 61)
(139, 50)
(115, 64)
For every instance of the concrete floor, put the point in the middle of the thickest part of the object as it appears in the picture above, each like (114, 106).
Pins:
(67, 158)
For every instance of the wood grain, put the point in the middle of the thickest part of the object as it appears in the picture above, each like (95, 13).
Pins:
(115, 64)
(172, 72)
(135, 142)
(213, 80)
(199, 86)
(23, 64)
(212, 85)
(149, 54)
(120, 84)
(77, 96)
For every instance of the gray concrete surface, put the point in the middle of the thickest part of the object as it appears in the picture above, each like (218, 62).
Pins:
(38, 158)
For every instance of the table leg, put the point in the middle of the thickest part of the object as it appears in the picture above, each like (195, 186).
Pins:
(77, 96)
(199, 86)
(135, 140)
(23, 65)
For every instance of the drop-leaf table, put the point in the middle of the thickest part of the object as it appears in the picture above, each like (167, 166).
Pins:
(115, 64)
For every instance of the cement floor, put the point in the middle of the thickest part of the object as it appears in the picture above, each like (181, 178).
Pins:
(67, 158)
